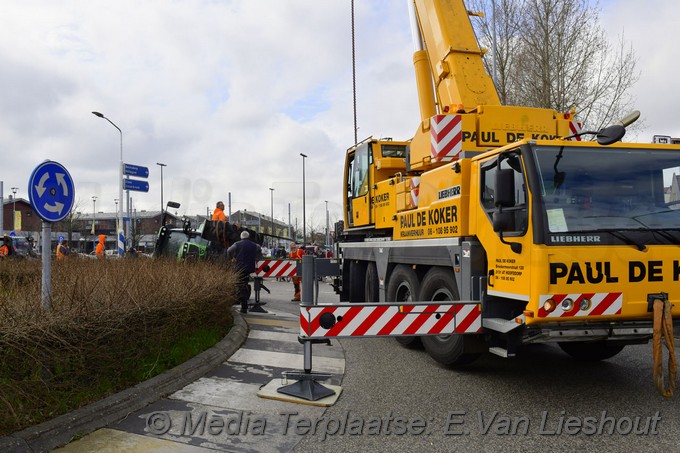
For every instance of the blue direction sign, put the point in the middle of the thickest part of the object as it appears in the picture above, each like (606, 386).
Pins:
(135, 170)
(137, 185)
(51, 191)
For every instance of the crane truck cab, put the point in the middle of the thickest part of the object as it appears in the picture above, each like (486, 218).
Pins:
(557, 240)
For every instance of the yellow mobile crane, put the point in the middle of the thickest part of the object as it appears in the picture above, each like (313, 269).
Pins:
(554, 239)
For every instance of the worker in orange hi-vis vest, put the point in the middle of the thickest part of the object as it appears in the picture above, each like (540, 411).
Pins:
(6, 249)
(218, 213)
(100, 251)
(62, 250)
(296, 254)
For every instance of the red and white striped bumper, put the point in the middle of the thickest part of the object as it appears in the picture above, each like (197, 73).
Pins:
(602, 304)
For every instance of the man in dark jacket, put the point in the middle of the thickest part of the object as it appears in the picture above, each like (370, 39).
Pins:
(245, 253)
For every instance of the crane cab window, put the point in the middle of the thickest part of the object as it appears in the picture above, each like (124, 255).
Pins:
(359, 172)
(629, 188)
(398, 151)
(488, 195)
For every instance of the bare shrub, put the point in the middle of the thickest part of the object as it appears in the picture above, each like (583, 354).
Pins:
(106, 318)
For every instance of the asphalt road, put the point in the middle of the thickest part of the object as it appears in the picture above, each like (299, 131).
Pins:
(399, 400)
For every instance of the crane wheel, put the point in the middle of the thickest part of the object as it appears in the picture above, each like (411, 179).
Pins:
(449, 350)
(357, 271)
(591, 351)
(371, 283)
(404, 286)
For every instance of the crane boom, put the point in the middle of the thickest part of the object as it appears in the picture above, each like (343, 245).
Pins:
(455, 59)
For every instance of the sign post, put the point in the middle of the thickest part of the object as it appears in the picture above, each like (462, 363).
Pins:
(51, 192)
(133, 184)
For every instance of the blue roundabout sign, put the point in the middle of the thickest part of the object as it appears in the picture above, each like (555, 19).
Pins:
(51, 191)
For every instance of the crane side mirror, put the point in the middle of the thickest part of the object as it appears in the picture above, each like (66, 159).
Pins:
(611, 134)
(504, 194)
(503, 221)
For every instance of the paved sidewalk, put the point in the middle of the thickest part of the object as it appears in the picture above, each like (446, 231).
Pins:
(221, 410)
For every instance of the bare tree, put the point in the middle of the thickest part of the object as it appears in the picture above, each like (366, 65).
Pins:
(502, 24)
(72, 222)
(554, 54)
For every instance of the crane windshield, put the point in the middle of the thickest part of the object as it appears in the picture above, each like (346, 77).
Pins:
(586, 189)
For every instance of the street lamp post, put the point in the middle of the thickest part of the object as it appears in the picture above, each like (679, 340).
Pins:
(328, 239)
(94, 216)
(115, 200)
(304, 218)
(161, 165)
(119, 215)
(272, 214)
(14, 207)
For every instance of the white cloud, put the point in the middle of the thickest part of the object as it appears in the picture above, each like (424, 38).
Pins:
(652, 30)
(229, 93)
(209, 88)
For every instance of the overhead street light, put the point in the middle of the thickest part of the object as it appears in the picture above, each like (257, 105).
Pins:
(119, 214)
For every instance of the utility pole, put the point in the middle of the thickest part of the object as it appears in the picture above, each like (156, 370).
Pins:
(14, 208)
(162, 205)
(229, 201)
(304, 219)
(271, 242)
(328, 238)
(94, 216)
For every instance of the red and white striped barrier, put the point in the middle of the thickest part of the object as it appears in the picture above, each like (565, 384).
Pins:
(277, 268)
(384, 320)
(600, 304)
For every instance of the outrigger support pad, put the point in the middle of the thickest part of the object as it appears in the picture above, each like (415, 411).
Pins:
(257, 306)
(306, 386)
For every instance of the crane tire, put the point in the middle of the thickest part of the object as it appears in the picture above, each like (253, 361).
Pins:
(372, 283)
(439, 285)
(591, 351)
(357, 271)
(404, 286)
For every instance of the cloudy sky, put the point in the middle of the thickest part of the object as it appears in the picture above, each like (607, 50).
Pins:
(228, 93)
